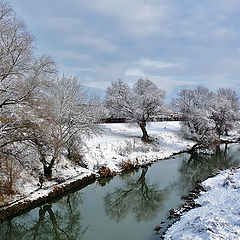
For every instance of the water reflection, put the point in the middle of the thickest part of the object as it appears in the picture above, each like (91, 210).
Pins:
(136, 197)
(200, 166)
(62, 223)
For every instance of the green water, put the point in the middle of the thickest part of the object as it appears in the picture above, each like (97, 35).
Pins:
(128, 207)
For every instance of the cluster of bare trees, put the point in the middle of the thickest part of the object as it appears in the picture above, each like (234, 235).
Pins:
(42, 112)
(207, 115)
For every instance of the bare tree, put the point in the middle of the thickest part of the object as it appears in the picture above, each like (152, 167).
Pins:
(23, 80)
(225, 110)
(39, 110)
(22, 76)
(16, 46)
(207, 115)
(137, 104)
(64, 119)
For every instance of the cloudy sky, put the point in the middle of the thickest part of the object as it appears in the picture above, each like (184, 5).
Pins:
(174, 43)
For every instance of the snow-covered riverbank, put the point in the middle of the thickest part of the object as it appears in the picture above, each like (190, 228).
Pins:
(121, 142)
(219, 214)
(118, 143)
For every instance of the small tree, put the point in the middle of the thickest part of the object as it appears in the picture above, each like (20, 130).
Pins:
(137, 104)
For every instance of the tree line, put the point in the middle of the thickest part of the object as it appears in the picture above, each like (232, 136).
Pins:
(206, 115)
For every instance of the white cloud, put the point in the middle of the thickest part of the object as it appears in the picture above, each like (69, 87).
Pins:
(228, 6)
(165, 83)
(80, 72)
(71, 55)
(86, 69)
(132, 72)
(62, 23)
(138, 18)
(144, 62)
(98, 43)
(224, 32)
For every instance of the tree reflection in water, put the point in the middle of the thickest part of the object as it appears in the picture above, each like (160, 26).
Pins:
(62, 224)
(137, 197)
(201, 166)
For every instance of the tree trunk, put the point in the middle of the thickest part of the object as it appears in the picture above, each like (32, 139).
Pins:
(145, 136)
(48, 169)
(226, 132)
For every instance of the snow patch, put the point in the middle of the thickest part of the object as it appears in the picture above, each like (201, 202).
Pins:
(219, 214)
(121, 142)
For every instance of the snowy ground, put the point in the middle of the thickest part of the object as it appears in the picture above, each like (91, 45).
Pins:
(219, 214)
(121, 142)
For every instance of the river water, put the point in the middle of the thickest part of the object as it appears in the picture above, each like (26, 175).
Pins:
(127, 207)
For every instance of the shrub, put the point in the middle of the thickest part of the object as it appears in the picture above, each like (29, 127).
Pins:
(126, 166)
(106, 172)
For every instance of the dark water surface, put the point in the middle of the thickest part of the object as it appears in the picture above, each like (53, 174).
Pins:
(128, 207)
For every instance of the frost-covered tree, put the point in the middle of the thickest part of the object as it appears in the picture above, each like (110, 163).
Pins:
(64, 119)
(137, 104)
(22, 76)
(40, 112)
(231, 95)
(194, 105)
(23, 79)
(225, 110)
(207, 115)
(20, 72)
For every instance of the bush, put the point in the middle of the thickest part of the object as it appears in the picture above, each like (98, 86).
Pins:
(106, 172)
(126, 166)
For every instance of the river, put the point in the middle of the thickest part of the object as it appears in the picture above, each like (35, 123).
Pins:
(126, 207)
